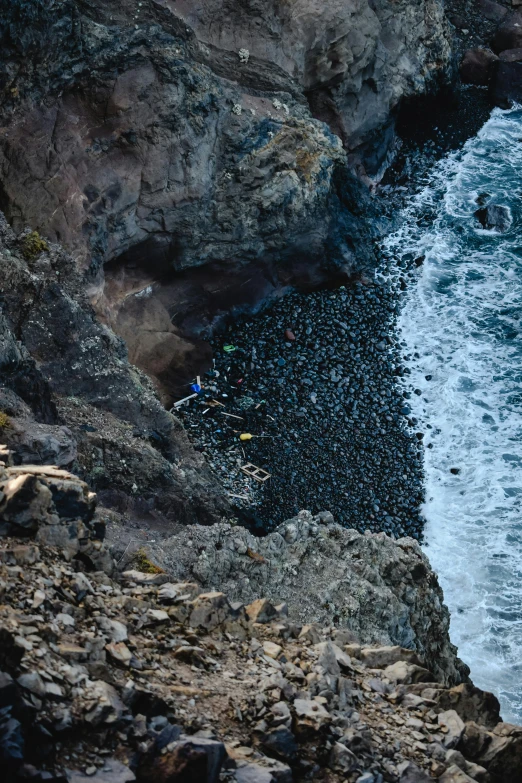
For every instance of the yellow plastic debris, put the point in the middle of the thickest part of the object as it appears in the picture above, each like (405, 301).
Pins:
(246, 436)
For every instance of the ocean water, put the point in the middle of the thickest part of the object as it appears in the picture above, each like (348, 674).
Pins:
(462, 325)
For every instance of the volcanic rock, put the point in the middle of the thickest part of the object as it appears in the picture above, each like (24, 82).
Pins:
(478, 66)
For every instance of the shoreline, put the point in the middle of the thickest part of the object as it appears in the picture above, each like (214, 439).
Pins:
(335, 397)
(337, 435)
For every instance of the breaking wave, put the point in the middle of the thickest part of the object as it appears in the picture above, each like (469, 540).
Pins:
(461, 330)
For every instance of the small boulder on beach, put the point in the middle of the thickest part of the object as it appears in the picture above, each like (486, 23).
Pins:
(478, 66)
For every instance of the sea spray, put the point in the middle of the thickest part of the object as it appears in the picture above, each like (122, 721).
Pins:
(461, 332)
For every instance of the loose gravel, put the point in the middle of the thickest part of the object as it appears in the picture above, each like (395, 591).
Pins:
(331, 421)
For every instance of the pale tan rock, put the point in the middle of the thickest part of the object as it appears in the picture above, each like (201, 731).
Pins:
(310, 633)
(272, 650)
(381, 657)
(402, 672)
(145, 579)
(20, 555)
(119, 652)
(455, 775)
(158, 616)
(261, 611)
(454, 725)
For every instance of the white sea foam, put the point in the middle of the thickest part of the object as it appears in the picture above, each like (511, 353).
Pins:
(464, 320)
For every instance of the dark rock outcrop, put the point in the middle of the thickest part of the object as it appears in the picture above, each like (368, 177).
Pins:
(508, 80)
(69, 395)
(509, 33)
(478, 66)
(494, 217)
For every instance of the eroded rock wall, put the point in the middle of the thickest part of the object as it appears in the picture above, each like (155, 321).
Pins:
(137, 135)
(69, 396)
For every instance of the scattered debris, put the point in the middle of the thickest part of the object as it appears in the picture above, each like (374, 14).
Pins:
(185, 399)
(256, 473)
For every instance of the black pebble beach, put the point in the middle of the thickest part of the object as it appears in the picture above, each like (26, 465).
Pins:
(329, 419)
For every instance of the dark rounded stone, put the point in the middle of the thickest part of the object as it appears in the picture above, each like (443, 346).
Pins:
(478, 66)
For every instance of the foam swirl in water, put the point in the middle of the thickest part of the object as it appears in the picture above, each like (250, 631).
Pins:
(464, 320)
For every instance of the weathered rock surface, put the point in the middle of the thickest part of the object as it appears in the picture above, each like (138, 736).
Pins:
(381, 591)
(130, 679)
(154, 137)
(59, 366)
(243, 144)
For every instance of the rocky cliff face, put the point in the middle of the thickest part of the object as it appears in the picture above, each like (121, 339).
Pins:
(115, 678)
(383, 591)
(154, 137)
(69, 396)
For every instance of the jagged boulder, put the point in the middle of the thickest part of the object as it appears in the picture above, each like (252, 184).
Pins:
(478, 66)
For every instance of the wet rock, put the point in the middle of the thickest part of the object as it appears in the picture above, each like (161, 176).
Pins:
(511, 56)
(495, 12)
(495, 216)
(507, 87)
